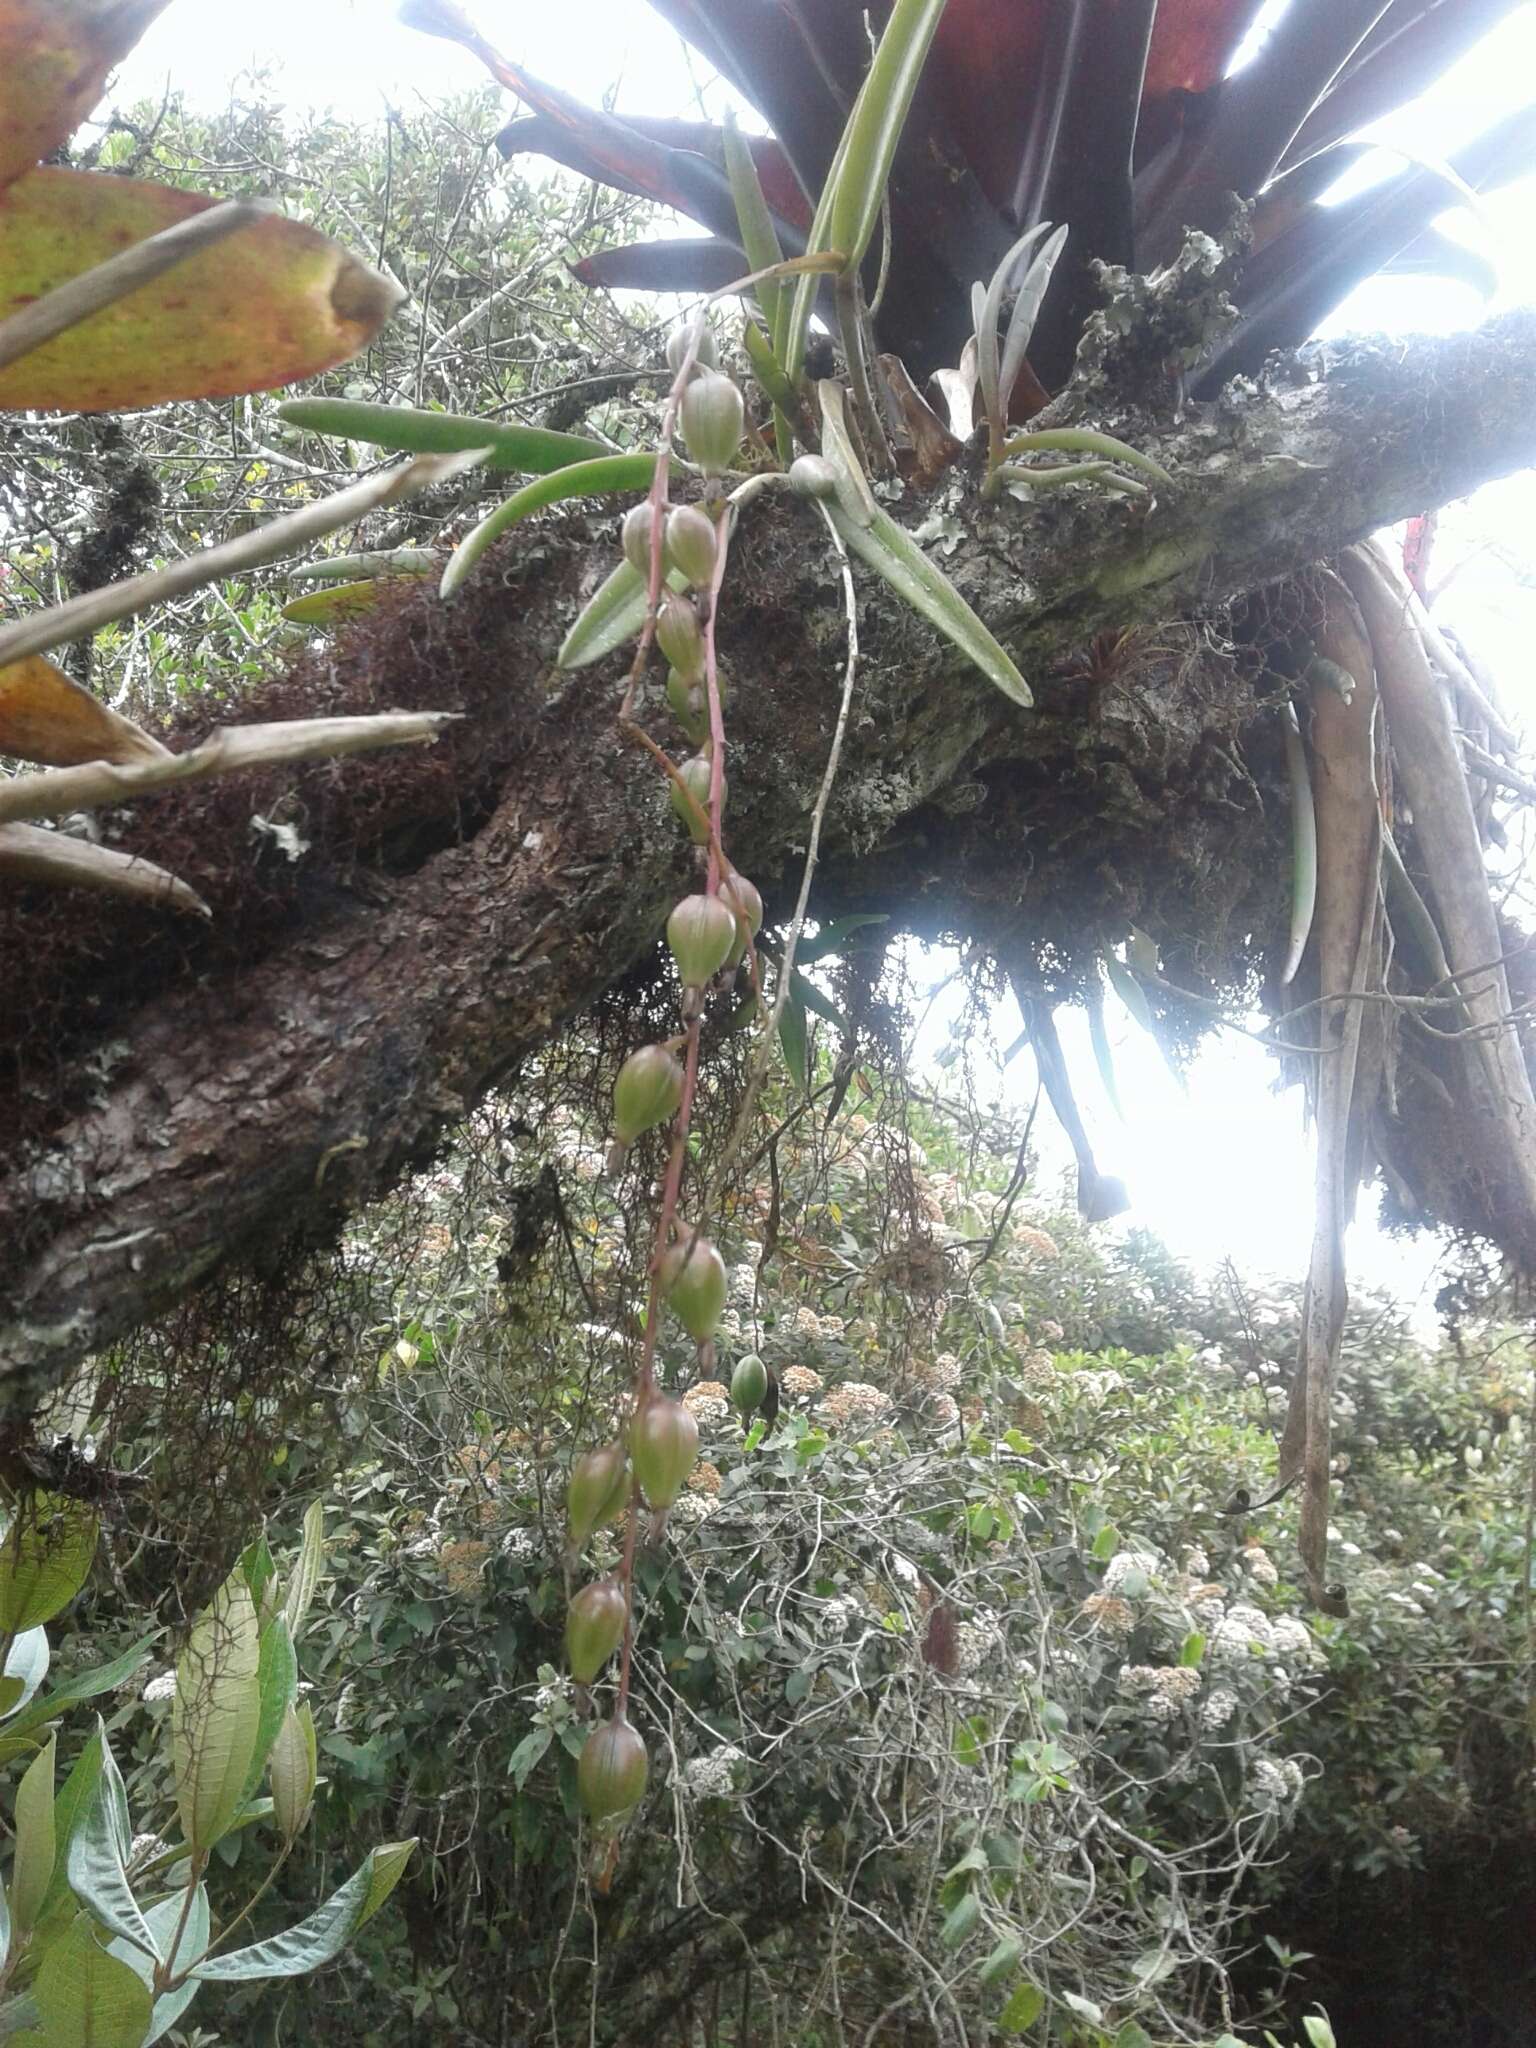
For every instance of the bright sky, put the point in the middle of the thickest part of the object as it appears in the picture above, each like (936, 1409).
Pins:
(1224, 1170)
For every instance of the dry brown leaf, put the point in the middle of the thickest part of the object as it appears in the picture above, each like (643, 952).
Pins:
(32, 853)
(46, 717)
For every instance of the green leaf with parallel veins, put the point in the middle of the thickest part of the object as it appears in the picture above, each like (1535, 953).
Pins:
(291, 1771)
(874, 128)
(36, 1840)
(792, 1036)
(759, 237)
(166, 1923)
(86, 1997)
(45, 1558)
(216, 1714)
(97, 1858)
(534, 449)
(338, 601)
(322, 1935)
(613, 614)
(278, 1678)
(306, 1573)
(388, 1869)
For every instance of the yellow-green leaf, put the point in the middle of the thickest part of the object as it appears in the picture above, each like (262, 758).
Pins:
(46, 717)
(86, 1998)
(44, 1558)
(216, 1715)
(306, 1573)
(291, 1771)
(388, 1867)
(341, 600)
(36, 1840)
(54, 59)
(271, 303)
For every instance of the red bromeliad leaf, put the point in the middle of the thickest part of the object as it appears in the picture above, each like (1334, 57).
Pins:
(274, 302)
(54, 59)
(46, 717)
(696, 263)
(1297, 278)
(1409, 48)
(1194, 41)
(537, 134)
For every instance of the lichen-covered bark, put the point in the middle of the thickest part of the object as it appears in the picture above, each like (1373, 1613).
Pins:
(260, 1085)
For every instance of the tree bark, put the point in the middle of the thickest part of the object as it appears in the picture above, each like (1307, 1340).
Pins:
(288, 1068)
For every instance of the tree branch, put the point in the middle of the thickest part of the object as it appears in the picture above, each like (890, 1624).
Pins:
(297, 1067)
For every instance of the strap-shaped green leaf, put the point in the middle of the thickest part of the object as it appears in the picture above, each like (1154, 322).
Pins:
(417, 432)
(593, 479)
(758, 235)
(613, 614)
(870, 532)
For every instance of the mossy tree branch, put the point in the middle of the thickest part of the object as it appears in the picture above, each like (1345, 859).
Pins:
(312, 1052)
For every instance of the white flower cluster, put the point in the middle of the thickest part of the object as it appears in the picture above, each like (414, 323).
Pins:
(1197, 1564)
(798, 1380)
(940, 1375)
(805, 1322)
(546, 1695)
(729, 1324)
(1277, 1784)
(943, 1411)
(1176, 1683)
(1290, 1637)
(1217, 1709)
(521, 1545)
(1098, 1386)
(708, 1403)
(1124, 1566)
(712, 1776)
(854, 1401)
(161, 1687)
(144, 1849)
(1260, 1566)
(743, 1285)
(1244, 1630)
(692, 1508)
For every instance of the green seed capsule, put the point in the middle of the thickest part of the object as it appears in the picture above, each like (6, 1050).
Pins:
(749, 1383)
(647, 1092)
(677, 347)
(812, 476)
(713, 418)
(635, 539)
(692, 546)
(598, 1489)
(679, 634)
(664, 1443)
(701, 932)
(742, 901)
(611, 1771)
(696, 773)
(594, 1627)
(693, 1279)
